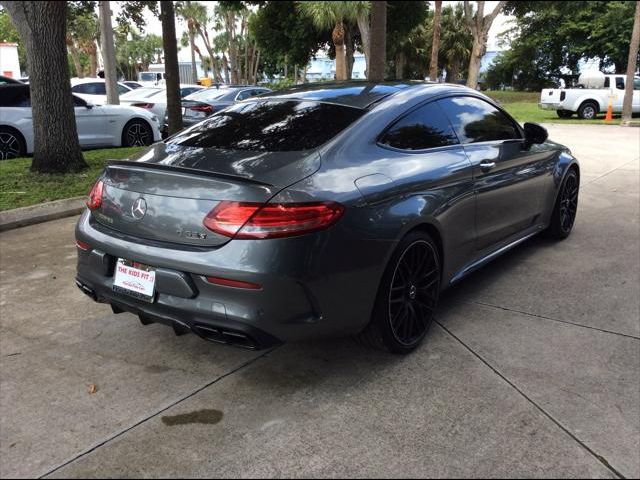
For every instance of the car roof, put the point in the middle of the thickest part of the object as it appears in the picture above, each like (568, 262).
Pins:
(357, 94)
(79, 81)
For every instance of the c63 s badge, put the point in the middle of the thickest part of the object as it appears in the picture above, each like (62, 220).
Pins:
(191, 234)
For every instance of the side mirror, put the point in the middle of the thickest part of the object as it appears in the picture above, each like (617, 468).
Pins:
(534, 133)
(89, 105)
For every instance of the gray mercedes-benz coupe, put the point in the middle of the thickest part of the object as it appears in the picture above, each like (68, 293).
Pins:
(320, 210)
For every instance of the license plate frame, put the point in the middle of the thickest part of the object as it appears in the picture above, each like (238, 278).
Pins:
(134, 279)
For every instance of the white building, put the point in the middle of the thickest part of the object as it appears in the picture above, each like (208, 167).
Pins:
(9, 62)
(323, 68)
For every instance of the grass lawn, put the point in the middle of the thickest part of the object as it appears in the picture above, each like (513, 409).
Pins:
(524, 108)
(19, 187)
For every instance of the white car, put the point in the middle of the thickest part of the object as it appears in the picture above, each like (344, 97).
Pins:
(155, 98)
(98, 125)
(94, 90)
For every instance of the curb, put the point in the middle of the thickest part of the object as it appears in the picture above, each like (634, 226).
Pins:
(43, 212)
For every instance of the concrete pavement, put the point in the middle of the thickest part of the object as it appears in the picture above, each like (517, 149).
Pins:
(533, 368)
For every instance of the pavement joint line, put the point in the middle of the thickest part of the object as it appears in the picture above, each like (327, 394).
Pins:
(153, 415)
(600, 458)
(553, 319)
(609, 172)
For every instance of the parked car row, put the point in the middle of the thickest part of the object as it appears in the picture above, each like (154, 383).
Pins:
(140, 119)
(98, 125)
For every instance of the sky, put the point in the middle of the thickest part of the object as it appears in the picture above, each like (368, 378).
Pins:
(500, 24)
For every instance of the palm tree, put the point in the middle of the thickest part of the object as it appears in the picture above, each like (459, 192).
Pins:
(334, 15)
(456, 42)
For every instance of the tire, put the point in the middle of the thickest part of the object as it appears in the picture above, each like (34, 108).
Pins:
(407, 297)
(12, 144)
(137, 133)
(564, 113)
(588, 110)
(564, 211)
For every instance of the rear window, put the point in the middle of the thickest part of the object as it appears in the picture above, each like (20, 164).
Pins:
(270, 125)
(208, 94)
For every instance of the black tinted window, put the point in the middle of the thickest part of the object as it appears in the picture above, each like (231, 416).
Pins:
(620, 83)
(270, 125)
(426, 127)
(475, 120)
(90, 88)
(14, 95)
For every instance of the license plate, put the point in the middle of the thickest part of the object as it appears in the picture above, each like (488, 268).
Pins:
(135, 279)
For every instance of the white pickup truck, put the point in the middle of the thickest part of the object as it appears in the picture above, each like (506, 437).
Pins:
(594, 98)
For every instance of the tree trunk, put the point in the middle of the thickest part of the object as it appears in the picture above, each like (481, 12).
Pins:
(225, 67)
(192, 45)
(233, 47)
(435, 43)
(92, 51)
(75, 56)
(479, 26)
(108, 54)
(42, 26)
(349, 48)
(631, 68)
(474, 63)
(363, 26)
(400, 61)
(378, 45)
(286, 66)
(172, 73)
(255, 68)
(338, 40)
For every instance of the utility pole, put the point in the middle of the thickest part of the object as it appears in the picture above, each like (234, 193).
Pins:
(108, 54)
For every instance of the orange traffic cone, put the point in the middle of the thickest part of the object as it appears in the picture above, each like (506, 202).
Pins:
(609, 116)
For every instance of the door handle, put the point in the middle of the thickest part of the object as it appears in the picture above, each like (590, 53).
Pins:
(486, 166)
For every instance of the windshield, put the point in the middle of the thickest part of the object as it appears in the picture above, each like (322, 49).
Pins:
(148, 76)
(270, 125)
(207, 94)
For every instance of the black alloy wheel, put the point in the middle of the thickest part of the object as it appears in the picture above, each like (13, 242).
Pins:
(11, 145)
(566, 207)
(413, 295)
(407, 297)
(137, 133)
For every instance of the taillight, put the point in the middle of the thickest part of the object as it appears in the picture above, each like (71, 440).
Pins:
(95, 196)
(83, 245)
(253, 220)
(208, 109)
(148, 106)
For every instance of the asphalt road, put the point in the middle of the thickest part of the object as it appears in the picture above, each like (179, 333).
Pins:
(532, 370)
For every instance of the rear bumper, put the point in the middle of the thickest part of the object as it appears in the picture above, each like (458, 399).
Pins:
(303, 295)
(550, 106)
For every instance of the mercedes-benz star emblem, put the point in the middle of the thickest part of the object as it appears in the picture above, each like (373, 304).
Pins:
(139, 208)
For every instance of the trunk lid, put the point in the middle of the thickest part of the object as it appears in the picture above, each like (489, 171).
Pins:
(165, 192)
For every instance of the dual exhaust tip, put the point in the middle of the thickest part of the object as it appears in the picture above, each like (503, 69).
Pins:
(213, 334)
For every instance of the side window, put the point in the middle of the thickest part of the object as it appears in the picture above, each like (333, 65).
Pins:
(475, 120)
(426, 127)
(607, 83)
(620, 83)
(121, 89)
(244, 94)
(15, 97)
(636, 83)
(98, 89)
(82, 88)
